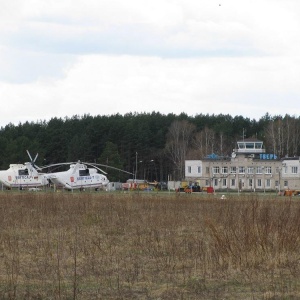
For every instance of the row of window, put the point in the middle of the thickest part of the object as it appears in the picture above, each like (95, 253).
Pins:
(242, 170)
(223, 182)
(189, 169)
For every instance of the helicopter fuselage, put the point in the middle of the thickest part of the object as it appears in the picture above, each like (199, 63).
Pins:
(79, 177)
(22, 176)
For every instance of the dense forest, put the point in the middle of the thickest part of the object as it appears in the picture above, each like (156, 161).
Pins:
(151, 145)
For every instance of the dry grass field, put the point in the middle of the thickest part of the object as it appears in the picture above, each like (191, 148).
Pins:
(148, 246)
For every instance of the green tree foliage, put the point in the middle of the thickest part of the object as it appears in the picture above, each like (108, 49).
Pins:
(89, 138)
(111, 157)
(80, 148)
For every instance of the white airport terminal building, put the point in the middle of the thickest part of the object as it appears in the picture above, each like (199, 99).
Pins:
(249, 168)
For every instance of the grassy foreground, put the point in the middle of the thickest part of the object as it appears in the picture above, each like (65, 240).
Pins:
(144, 246)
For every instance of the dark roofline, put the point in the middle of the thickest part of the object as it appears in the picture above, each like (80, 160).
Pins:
(250, 140)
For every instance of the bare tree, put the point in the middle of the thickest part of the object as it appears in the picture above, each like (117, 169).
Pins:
(205, 142)
(179, 139)
(287, 134)
(295, 136)
(292, 129)
(274, 133)
(282, 135)
(271, 137)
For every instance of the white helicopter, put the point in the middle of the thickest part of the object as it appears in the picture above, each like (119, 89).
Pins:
(23, 176)
(81, 175)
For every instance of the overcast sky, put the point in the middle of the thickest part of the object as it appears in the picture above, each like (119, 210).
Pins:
(63, 58)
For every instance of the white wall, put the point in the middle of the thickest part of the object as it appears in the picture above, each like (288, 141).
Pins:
(193, 168)
(287, 168)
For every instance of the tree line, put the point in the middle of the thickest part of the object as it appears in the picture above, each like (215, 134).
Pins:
(152, 146)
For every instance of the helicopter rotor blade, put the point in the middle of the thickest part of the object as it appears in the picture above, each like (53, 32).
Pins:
(99, 169)
(32, 161)
(29, 155)
(35, 157)
(63, 164)
(36, 167)
(57, 165)
(110, 167)
(76, 166)
(94, 166)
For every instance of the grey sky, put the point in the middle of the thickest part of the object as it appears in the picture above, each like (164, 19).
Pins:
(61, 58)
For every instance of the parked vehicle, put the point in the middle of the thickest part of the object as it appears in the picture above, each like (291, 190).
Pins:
(291, 193)
(191, 187)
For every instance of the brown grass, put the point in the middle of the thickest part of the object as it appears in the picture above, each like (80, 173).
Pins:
(148, 246)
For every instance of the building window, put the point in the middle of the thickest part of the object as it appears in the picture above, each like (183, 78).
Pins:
(294, 170)
(207, 170)
(241, 170)
(216, 170)
(224, 182)
(250, 182)
(233, 170)
(250, 170)
(285, 183)
(276, 183)
(215, 182)
(199, 170)
(225, 170)
(258, 145)
(207, 182)
(189, 169)
(268, 170)
(259, 183)
(232, 182)
(259, 170)
(268, 182)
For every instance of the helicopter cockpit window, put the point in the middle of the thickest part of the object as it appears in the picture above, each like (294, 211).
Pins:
(85, 172)
(23, 172)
